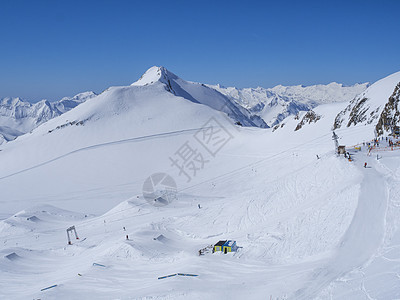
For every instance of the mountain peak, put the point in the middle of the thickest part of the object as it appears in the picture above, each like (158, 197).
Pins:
(155, 74)
(11, 102)
(81, 96)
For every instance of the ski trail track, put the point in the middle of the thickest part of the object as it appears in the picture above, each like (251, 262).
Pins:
(361, 240)
(130, 140)
(156, 136)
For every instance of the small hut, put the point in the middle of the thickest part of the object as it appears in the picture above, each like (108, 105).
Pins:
(218, 246)
(225, 246)
(341, 150)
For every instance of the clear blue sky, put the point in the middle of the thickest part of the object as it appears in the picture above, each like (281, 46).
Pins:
(51, 49)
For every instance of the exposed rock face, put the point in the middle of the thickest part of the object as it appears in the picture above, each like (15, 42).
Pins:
(390, 116)
(278, 126)
(377, 106)
(358, 113)
(358, 109)
(309, 117)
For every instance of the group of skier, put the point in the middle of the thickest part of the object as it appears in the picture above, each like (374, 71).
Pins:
(375, 143)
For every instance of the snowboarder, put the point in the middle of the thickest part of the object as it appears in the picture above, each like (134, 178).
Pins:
(365, 165)
(199, 206)
(127, 238)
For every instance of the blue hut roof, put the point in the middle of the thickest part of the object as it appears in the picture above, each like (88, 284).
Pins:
(230, 243)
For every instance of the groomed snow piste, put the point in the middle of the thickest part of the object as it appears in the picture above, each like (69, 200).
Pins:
(306, 227)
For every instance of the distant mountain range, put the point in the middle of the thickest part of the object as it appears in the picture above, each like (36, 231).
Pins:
(18, 117)
(273, 105)
(250, 107)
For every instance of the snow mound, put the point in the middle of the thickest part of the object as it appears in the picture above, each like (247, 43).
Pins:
(12, 256)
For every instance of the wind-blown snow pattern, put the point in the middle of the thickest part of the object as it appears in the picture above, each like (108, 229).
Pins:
(309, 224)
(18, 117)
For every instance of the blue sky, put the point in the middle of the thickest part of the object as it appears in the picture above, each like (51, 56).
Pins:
(51, 49)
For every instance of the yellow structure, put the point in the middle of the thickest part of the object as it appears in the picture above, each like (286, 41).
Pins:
(225, 246)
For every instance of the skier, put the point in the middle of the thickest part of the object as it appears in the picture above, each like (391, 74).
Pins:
(365, 165)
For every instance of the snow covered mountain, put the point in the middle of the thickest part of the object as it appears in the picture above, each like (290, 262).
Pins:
(158, 103)
(377, 105)
(67, 103)
(18, 117)
(310, 225)
(248, 107)
(199, 93)
(273, 105)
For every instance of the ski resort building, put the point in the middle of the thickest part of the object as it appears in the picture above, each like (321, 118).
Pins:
(225, 246)
(341, 150)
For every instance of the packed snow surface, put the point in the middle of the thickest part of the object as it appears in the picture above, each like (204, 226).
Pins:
(309, 224)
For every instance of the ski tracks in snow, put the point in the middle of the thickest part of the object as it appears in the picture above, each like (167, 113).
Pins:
(124, 141)
(361, 240)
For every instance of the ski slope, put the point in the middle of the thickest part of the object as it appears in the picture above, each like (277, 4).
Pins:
(309, 224)
(362, 238)
(302, 229)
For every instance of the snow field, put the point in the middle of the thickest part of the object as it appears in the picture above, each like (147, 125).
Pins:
(274, 227)
(308, 228)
